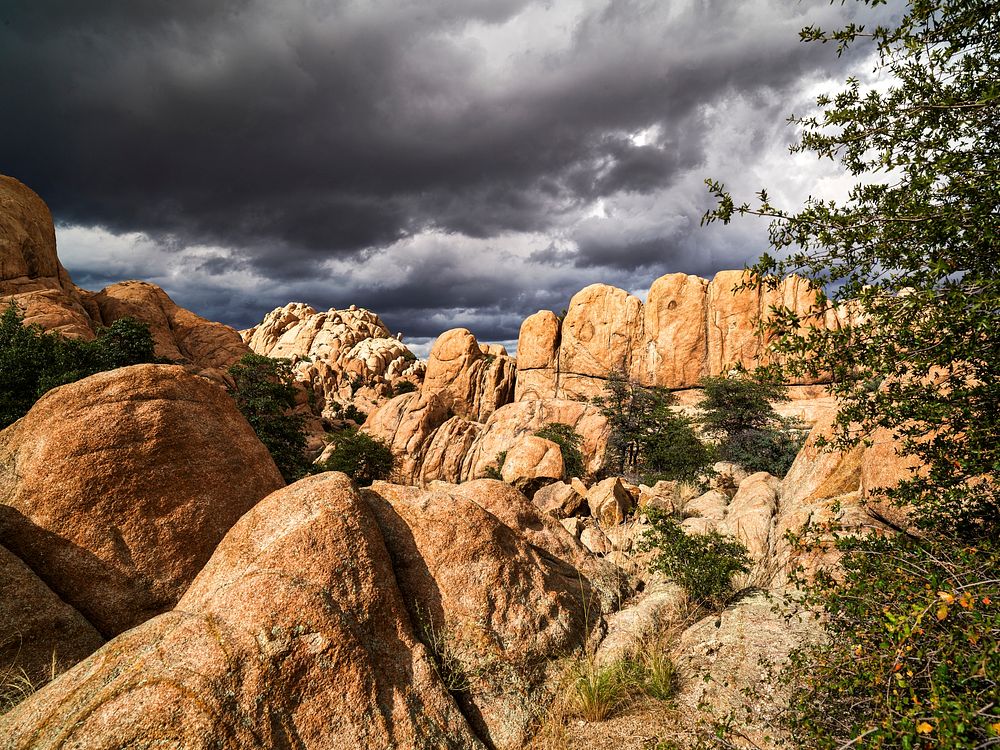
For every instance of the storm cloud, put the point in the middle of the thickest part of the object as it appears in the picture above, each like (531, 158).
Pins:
(443, 162)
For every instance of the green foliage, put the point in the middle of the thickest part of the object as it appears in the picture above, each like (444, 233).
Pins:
(33, 362)
(360, 456)
(771, 450)
(568, 441)
(738, 409)
(913, 652)
(495, 470)
(264, 391)
(731, 405)
(914, 645)
(403, 386)
(704, 565)
(648, 440)
(355, 414)
(914, 247)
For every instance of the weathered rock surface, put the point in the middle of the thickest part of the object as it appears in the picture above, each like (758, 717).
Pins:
(721, 655)
(40, 631)
(32, 277)
(430, 444)
(327, 659)
(178, 334)
(472, 382)
(609, 501)
(531, 463)
(503, 609)
(30, 272)
(559, 499)
(117, 488)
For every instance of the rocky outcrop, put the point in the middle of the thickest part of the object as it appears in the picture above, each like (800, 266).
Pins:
(116, 489)
(343, 357)
(501, 611)
(470, 380)
(531, 463)
(32, 277)
(327, 659)
(724, 661)
(30, 272)
(688, 328)
(41, 633)
(179, 335)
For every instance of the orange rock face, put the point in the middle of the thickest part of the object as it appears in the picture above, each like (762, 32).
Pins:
(471, 382)
(117, 488)
(505, 612)
(179, 335)
(30, 272)
(687, 329)
(326, 659)
(39, 628)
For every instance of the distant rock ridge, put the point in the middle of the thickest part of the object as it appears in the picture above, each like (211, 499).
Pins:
(344, 357)
(688, 328)
(474, 406)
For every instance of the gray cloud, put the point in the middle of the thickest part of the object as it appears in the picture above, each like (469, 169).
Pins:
(257, 152)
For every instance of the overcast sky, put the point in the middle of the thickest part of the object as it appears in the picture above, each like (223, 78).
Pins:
(442, 162)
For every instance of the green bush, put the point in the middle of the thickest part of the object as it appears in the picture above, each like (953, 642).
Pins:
(568, 441)
(739, 411)
(495, 470)
(264, 391)
(355, 414)
(772, 451)
(33, 362)
(704, 565)
(913, 649)
(360, 456)
(648, 441)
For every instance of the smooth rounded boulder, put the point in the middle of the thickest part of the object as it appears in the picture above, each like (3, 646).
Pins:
(117, 488)
(294, 635)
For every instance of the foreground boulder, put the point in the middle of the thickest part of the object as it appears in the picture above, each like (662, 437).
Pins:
(326, 659)
(41, 633)
(500, 610)
(117, 488)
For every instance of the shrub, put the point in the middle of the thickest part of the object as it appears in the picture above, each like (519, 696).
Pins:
(739, 411)
(647, 439)
(495, 470)
(264, 391)
(599, 691)
(360, 456)
(33, 362)
(355, 414)
(913, 649)
(772, 451)
(403, 386)
(702, 564)
(568, 441)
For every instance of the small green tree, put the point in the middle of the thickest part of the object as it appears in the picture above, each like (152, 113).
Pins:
(360, 456)
(264, 391)
(568, 441)
(32, 362)
(909, 264)
(704, 565)
(738, 410)
(648, 440)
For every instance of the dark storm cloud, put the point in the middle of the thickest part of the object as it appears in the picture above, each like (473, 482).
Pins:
(297, 132)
